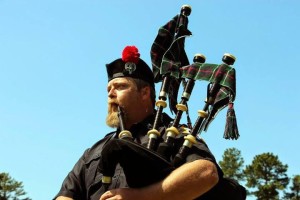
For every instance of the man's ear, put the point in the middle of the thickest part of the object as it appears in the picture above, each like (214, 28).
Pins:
(145, 92)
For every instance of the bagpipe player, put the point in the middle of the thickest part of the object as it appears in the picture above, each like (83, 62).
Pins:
(131, 87)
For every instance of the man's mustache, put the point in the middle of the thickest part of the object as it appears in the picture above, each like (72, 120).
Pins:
(112, 101)
(112, 105)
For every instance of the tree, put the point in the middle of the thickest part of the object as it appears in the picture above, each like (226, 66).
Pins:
(232, 164)
(295, 189)
(10, 189)
(268, 175)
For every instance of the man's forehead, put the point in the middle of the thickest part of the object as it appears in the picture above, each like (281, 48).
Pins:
(120, 80)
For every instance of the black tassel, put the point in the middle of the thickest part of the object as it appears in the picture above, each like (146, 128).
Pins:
(231, 129)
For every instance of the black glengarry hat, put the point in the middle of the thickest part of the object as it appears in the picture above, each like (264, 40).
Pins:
(130, 65)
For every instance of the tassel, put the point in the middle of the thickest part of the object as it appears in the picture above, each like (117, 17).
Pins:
(231, 129)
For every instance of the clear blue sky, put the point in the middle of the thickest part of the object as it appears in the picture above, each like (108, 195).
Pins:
(53, 79)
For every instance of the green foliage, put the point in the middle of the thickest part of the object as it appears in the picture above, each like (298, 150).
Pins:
(295, 189)
(232, 164)
(10, 189)
(268, 175)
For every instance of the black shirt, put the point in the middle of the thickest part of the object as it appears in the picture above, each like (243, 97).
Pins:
(84, 180)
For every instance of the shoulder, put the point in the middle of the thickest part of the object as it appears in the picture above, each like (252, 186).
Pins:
(94, 152)
(200, 150)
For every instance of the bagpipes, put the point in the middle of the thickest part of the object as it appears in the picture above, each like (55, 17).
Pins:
(171, 66)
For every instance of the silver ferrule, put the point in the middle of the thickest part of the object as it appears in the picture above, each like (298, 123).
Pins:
(186, 95)
(162, 94)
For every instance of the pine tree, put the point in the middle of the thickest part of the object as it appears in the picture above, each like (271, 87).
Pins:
(10, 189)
(232, 164)
(295, 189)
(268, 175)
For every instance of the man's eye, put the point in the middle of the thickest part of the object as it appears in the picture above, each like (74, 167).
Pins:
(121, 87)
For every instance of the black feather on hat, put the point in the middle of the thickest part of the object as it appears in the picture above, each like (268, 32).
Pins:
(130, 65)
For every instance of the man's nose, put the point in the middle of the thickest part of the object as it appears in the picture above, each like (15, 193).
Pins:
(111, 93)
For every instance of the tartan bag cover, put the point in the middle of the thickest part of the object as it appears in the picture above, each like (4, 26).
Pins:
(224, 75)
(168, 54)
(168, 57)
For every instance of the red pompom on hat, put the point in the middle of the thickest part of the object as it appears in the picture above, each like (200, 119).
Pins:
(131, 54)
(130, 65)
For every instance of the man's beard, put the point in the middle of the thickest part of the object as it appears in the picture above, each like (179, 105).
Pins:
(112, 119)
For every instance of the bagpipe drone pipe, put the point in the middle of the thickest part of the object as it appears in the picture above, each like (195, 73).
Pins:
(171, 67)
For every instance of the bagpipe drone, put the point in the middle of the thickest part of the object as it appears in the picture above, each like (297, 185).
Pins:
(171, 66)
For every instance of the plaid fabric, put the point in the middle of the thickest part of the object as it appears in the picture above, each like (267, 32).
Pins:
(168, 55)
(167, 52)
(221, 74)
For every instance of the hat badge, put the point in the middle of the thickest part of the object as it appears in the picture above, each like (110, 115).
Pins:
(130, 67)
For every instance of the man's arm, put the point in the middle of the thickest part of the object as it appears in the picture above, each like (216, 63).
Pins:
(73, 185)
(190, 181)
(187, 182)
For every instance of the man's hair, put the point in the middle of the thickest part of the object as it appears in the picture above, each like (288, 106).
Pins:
(141, 84)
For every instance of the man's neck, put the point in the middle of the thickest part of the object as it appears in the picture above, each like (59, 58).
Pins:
(145, 115)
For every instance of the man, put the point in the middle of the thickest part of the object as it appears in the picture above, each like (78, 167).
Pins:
(131, 87)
